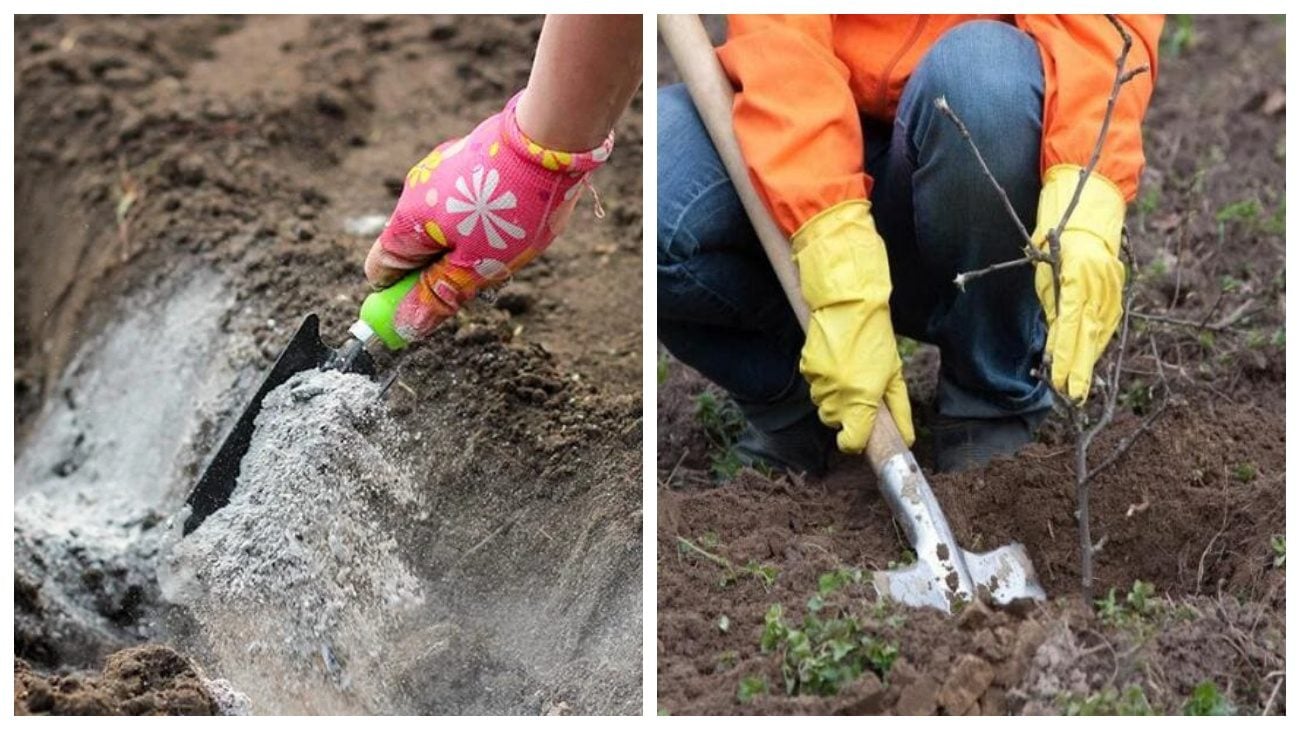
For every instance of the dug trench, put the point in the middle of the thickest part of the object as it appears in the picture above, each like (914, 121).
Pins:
(1189, 609)
(469, 542)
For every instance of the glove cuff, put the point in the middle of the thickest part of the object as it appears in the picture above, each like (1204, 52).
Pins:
(841, 257)
(1100, 211)
(574, 163)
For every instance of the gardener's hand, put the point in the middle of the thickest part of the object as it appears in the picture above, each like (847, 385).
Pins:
(473, 212)
(1092, 277)
(850, 356)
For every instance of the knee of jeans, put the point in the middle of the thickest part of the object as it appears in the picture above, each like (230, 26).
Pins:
(983, 68)
(676, 117)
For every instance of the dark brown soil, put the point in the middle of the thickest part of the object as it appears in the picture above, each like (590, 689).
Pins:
(157, 148)
(147, 680)
(1191, 509)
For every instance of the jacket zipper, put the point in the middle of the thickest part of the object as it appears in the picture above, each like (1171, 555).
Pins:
(883, 92)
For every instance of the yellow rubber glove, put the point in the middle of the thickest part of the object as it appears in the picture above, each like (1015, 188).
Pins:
(850, 356)
(1092, 277)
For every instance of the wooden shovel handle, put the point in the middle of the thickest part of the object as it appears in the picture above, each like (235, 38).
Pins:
(711, 91)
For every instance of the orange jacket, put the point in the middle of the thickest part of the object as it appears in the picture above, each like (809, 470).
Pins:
(802, 80)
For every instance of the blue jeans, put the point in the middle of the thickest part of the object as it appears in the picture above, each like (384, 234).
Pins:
(722, 311)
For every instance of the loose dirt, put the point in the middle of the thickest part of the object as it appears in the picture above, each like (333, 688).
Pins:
(148, 680)
(1192, 509)
(192, 187)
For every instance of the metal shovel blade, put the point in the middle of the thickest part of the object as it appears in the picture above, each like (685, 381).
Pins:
(304, 352)
(944, 575)
(1004, 575)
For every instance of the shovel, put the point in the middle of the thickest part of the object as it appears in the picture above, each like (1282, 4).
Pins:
(305, 351)
(944, 575)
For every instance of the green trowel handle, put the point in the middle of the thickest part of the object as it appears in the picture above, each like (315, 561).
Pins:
(380, 307)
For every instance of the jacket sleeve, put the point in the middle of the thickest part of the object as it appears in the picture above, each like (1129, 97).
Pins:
(1078, 53)
(794, 115)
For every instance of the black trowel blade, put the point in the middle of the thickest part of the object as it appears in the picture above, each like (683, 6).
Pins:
(304, 352)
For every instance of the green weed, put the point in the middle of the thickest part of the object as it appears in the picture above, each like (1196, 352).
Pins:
(1278, 543)
(1132, 609)
(1242, 211)
(1149, 201)
(751, 687)
(1207, 700)
(1229, 284)
(1178, 36)
(731, 573)
(1137, 397)
(1245, 472)
(1110, 701)
(830, 646)
(722, 422)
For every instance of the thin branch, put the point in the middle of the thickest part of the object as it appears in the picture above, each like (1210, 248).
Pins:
(966, 277)
(1085, 432)
(941, 104)
(1121, 78)
(1164, 319)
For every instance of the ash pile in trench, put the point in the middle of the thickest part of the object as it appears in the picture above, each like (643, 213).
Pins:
(295, 584)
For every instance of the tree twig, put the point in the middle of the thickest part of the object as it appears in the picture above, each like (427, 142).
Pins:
(941, 104)
(1085, 432)
(968, 276)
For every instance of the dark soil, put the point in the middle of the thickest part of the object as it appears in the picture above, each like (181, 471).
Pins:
(148, 680)
(1191, 509)
(159, 152)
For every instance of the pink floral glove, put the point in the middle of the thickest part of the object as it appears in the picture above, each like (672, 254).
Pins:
(473, 212)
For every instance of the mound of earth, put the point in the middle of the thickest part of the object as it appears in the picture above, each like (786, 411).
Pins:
(145, 680)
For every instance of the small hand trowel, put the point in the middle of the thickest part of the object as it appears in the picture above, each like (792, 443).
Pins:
(305, 351)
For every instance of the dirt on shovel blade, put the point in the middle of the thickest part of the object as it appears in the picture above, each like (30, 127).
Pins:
(762, 602)
(188, 189)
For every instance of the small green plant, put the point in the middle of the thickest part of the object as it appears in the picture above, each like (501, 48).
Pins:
(1178, 36)
(1275, 224)
(830, 646)
(1140, 597)
(1206, 340)
(1245, 472)
(731, 573)
(1132, 609)
(722, 422)
(1137, 397)
(662, 372)
(1230, 284)
(724, 623)
(1278, 339)
(1250, 214)
(1207, 700)
(1242, 211)
(1110, 701)
(1278, 543)
(1149, 201)
(762, 572)
(751, 687)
